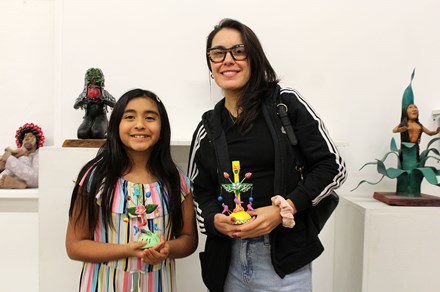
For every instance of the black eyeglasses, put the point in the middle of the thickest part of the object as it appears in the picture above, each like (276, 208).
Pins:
(217, 55)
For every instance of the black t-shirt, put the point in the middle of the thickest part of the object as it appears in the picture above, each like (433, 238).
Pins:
(255, 151)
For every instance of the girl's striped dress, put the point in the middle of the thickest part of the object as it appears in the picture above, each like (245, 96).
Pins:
(131, 274)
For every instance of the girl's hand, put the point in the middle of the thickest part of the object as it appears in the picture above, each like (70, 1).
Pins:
(224, 224)
(156, 254)
(264, 220)
(134, 249)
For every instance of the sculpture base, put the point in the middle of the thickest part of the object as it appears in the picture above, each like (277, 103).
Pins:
(391, 198)
(85, 143)
(241, 217)
(151, 238)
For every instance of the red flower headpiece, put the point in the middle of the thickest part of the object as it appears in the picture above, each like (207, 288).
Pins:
(32, 128)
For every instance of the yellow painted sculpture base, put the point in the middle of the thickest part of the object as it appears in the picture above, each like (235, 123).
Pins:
(241, 217)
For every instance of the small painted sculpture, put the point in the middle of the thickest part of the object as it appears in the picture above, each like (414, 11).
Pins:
(139, 212)
(19, 167)
(410, 128)
(237, 187)
(411, 168)
(94, 100)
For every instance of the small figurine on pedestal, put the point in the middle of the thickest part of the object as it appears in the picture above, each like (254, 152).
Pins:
(411, 165)
(410, 128)
(19, 167)
(237, 187)
(94, 100)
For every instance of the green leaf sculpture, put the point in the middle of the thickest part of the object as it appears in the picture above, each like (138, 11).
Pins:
(408, 94)
(410, 171)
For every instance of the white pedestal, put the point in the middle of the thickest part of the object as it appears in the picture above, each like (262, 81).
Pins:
(58, 170)
(19, 240)
(381, 248)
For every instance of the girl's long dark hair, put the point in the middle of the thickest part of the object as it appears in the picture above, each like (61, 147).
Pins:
(112, 162)
(263, 76)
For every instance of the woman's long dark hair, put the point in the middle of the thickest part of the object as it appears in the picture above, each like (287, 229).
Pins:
(263, 76)
(112, 162)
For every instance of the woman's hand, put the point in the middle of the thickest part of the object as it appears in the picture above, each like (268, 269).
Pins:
(264, 220)
(225, 224)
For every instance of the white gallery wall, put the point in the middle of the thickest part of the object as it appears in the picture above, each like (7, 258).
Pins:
(351, 59)
(27, 67)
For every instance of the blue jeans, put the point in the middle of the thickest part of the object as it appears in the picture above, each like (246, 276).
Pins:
(251, 270)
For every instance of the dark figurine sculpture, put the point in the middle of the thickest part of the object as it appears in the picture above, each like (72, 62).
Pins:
(94, 100)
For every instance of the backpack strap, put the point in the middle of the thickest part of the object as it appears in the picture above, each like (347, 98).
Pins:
(222, 155)
(217, 137)
(282, 110)
(322, 211)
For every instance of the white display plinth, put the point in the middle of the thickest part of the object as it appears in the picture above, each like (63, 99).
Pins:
(382, 248)
(19, 240)
(58, 170)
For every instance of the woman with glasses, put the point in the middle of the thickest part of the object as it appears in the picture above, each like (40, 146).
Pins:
(273, 248)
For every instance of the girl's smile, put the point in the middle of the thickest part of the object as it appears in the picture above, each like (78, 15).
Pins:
(140, 125)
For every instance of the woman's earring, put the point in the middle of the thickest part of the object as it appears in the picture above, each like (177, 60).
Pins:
(212, 76)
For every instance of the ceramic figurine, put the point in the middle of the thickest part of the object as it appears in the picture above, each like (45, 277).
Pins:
(411, 167)
(19, 167)
(94, 100)
(236, 187)
(138, 210)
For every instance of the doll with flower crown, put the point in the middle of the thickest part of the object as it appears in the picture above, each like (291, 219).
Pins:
(19, 167)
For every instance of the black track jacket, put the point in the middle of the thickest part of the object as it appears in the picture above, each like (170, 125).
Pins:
(293, 248)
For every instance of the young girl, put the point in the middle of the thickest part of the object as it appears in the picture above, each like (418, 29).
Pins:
(130, 191)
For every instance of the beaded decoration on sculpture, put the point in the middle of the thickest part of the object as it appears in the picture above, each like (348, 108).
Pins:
(29, 128)
(237, 187)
